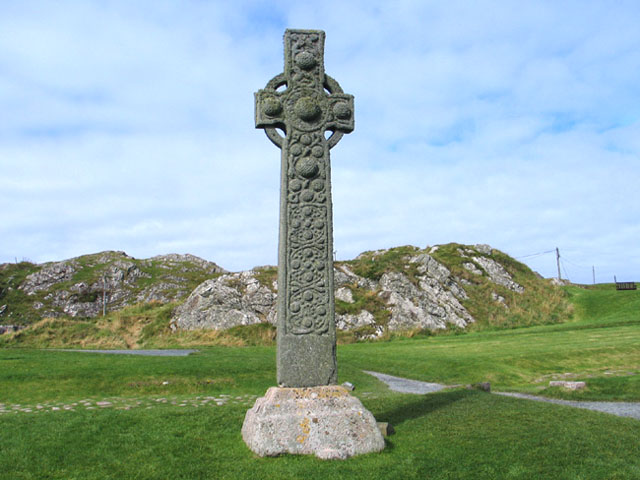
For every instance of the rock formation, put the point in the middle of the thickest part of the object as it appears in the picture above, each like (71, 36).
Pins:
(399, 289)
(76, 287)
(417, 292)
(227, 301)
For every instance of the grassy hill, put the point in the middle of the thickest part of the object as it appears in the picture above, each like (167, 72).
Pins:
(522, 299)
(491, 304)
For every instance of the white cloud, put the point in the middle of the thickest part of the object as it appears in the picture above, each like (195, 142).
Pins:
(129, 126)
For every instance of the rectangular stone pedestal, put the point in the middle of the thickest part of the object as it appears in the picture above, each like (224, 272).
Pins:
(324, 421)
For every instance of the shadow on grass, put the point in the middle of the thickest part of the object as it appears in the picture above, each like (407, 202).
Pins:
(422, 405)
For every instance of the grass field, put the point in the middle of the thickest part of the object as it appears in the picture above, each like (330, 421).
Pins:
(71, 415)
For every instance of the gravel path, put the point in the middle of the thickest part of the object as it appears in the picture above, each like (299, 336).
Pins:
(621, 409)
(147, 353)
(122, 403)
(405, 385)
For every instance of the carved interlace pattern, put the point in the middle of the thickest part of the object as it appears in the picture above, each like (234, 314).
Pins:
(304, 102)
(308, 256)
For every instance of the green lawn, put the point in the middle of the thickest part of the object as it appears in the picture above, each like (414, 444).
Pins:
(516, 360)
(458, 434)
(180, 417)
(602, 304)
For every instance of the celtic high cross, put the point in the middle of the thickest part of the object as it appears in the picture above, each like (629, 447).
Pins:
(311, 110)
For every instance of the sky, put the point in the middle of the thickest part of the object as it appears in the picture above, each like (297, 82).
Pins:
(130, 126)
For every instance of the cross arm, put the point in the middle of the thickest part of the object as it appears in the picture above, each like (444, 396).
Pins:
(269, 110)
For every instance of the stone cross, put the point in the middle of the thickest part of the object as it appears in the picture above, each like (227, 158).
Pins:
(313, 113)
(314, 416)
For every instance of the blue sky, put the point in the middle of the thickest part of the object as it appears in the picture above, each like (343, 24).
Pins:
(129, 126)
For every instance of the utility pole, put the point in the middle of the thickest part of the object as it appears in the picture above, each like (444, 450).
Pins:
(558, 262)
(593, 270)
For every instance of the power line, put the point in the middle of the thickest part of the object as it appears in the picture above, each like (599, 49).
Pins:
(573, 263)
(562, 262)
(536, 254)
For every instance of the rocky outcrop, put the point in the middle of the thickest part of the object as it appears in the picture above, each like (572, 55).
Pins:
(399, 289)
(77, 287)
(421, 294)
(227, 301)
(498, 274)
(49, 275)
(350, 321)
(428, 300)
(430, 304)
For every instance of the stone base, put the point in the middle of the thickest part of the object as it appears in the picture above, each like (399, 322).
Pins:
(325, 421)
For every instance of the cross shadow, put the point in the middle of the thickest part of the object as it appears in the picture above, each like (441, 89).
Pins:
(422, 405)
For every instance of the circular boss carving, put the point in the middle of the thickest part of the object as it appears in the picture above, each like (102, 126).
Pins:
(295, 185)
(306, 60)
(307, 167)
(307, 109)
(317, 185)
(271, 107)
(307, 196)
(342, 110)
